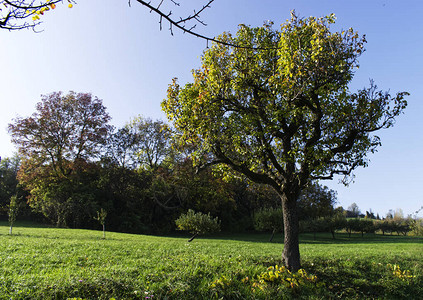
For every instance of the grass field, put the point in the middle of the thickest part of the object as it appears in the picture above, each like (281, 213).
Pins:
(50, 263)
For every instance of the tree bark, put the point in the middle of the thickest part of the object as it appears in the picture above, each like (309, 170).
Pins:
(291, 249)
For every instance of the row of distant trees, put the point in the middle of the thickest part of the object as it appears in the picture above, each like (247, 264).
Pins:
(361, 225)
(335, 220)
(141, 197)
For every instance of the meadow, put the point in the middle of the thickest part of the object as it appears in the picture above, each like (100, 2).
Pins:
(52, 263)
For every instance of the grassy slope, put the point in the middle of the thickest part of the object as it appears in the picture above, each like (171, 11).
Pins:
(49, 263)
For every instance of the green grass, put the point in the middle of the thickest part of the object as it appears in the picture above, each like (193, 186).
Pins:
(50, 263)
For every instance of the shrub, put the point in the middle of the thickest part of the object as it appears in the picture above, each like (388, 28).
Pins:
(197, 223)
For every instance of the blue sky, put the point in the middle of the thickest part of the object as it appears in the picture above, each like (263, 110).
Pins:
(118, 53)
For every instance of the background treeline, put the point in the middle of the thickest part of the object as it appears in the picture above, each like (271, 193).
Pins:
(338, 219)
(137, 199)
(72, 164)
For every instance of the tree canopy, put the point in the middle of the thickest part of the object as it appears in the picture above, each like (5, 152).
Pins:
(283, 115)
(57, 145)
(63, 129)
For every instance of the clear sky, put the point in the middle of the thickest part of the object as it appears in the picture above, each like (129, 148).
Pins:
(119, 54)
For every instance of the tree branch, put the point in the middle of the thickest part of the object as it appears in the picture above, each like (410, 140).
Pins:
(195, 16)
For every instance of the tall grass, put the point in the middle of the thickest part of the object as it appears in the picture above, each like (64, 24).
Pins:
(50, 263)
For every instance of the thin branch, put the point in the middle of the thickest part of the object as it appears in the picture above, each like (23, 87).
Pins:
(196, 15)
(178, 24)
(19, 10)
(31, 6)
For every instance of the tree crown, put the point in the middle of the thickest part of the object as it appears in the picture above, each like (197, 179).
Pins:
(285, 115)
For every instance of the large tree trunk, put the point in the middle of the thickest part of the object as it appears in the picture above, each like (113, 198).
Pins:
(291, 249)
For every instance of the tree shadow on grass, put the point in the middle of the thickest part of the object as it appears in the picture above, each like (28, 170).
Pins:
(357, 238)
(319, 238)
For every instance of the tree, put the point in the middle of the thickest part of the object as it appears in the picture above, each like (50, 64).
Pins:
(353, 225)
(336, 221)
(20, 14)
(101, 218)
(151, 141)
(57, 145)
(370, 215)
(329, 223)
(119, 149)
(8, 182)
(384, 226)
(13, 211)
(353, 211)
(140, 143)
(64, 128)
(316, 201)
(283, 116)
(398, 214)
(366, 226)
(197, 223)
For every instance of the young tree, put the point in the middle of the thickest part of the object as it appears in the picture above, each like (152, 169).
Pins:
(101, 218)
(283, 116)
(13, 211)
